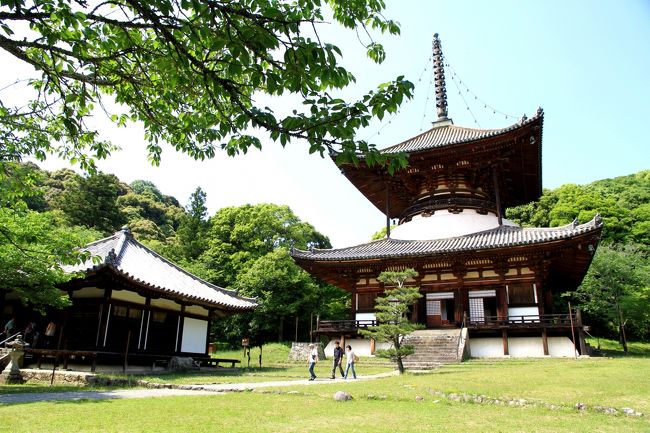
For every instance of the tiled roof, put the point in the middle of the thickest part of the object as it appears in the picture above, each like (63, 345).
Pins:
(500, 237)
(131, 259)
(449, 134)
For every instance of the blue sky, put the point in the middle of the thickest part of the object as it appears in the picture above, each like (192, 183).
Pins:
(586, 63)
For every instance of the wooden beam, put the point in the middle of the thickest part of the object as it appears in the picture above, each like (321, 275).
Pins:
(545, 341)
(581, 332)
(504, 336)
(497, 194)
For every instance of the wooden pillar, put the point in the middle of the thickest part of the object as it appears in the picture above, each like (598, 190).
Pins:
(179, 332)
(353, 303)
(541, 301)
(147, 304)
(497, 195)
(100, 316)
(581, 332)
(502, 302)
(504, 336)
(108, 307)
(415, 316)
(387, 211)
(207, 338)
(545, 341)
(548, 300)
(372, 346)
(458, 305)
(464, 299)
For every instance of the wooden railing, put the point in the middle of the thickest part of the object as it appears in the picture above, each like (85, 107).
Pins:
(487, 322)
(327, 326)
(526, 321)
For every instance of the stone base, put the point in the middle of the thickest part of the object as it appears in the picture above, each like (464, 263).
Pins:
(11, 379)
(300, 351)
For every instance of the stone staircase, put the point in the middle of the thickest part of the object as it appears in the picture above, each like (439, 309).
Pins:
(4, 358)
(434, 347)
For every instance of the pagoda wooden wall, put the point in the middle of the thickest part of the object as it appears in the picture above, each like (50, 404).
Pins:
(461, 277)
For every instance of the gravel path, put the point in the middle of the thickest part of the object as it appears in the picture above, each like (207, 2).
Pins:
(173, 390)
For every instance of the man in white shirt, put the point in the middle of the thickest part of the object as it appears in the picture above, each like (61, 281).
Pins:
(313, 359)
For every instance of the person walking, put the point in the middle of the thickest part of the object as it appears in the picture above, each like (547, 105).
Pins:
(351, 358)
(337, 359)
(313, 359)
(10, 327)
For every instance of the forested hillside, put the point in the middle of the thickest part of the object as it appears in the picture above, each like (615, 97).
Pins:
(247, 247)
(616, 290)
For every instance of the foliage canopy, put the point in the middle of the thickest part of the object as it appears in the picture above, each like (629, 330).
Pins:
(190, 71)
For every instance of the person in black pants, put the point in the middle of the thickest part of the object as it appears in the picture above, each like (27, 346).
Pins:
(337, 359)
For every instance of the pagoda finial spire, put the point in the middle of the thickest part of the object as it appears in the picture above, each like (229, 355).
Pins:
(439, 77)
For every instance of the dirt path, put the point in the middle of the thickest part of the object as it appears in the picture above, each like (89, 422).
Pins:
(174, 390)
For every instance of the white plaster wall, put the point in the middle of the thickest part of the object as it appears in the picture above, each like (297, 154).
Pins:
(514, 312)
(195, 334)
(166, 304)
(359, 345)
(125, 295)
(365, 316)
(88, 292)
(521, 347)
(196, 309)
(444, 224)
(561, 347)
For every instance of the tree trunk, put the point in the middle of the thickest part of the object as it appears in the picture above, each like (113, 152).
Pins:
(281, 329)
(400, 364)
(621, 328)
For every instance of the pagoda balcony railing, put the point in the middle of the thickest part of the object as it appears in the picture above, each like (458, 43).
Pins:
(455, 203)
(525, 321)
(343, 326)
(537, 321)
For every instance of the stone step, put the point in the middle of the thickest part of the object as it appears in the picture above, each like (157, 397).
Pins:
(432, 348)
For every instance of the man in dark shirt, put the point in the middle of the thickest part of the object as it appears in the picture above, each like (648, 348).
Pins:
(337, 359)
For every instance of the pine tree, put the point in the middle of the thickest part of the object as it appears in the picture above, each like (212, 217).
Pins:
(391, 312)
(191, 232)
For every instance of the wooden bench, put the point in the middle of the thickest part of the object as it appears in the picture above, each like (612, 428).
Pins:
(160, 361)
(65, 355)
(214, 362)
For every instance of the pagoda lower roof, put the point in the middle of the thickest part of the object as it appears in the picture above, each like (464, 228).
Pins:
(498, 238)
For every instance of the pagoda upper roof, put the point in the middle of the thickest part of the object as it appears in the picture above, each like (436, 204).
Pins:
(498, 238)
(128, 258)
(445, 133)
(515, 149)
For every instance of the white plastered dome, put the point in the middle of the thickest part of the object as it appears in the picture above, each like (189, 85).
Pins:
(444, 224)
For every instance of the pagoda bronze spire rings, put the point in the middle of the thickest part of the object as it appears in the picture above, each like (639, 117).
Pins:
(439, 79)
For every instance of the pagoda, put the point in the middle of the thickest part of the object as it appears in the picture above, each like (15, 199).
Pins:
(476, 269)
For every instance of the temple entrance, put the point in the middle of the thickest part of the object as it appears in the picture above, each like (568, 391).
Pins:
(440, 309)
(482, 305)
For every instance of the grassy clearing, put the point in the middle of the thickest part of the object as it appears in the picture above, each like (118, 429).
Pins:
(381, 405)
(311, 412)
(275, 367)
(613, 348)
(607, 382)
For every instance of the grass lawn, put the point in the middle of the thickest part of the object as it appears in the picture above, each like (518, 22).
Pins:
(274, 367)
(382, 405)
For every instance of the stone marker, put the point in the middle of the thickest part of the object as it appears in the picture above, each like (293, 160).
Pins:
(342, 396)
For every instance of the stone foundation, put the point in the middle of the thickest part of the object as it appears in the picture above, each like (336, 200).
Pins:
(300, 351)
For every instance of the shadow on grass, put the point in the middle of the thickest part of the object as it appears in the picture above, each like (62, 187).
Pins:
(613, 349)
(40, 388)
